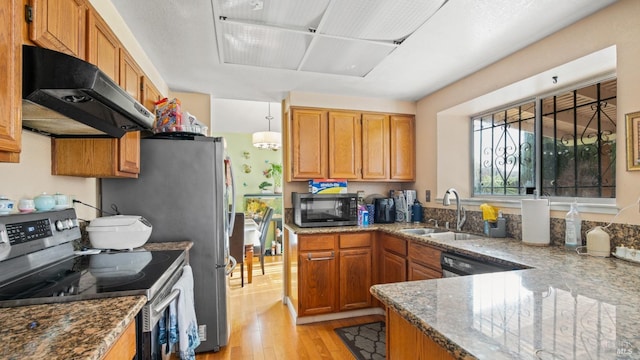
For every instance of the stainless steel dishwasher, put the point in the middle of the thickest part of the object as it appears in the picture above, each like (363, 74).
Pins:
(457, 265)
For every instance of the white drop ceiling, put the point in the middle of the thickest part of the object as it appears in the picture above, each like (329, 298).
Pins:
(402, 49)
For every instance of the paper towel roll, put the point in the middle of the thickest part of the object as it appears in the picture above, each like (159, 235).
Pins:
(535, 222)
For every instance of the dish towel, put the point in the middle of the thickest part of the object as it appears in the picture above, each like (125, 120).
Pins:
(188, 339)
(168, 330)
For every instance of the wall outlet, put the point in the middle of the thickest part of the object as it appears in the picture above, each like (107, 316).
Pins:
(427, 196)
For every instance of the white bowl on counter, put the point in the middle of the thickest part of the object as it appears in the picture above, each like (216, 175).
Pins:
(119, 232)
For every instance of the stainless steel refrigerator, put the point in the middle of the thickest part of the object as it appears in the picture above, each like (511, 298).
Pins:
(185, 190)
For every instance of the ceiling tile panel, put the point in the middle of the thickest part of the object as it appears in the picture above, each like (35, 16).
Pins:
(344, 57)
(261, 46)
(294, 13)
(378, 19)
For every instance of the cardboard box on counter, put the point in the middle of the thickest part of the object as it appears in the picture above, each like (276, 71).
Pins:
(328, 186)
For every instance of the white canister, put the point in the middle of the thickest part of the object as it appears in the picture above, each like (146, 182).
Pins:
(598, 242)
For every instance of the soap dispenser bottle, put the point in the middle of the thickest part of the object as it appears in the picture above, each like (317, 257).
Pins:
(572, 236)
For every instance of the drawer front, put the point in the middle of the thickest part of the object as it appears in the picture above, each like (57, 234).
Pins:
(425, 255)
(317, 242)
(355, 240)
(394, 244)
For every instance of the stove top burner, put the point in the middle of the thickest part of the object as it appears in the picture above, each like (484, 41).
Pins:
(83, 277)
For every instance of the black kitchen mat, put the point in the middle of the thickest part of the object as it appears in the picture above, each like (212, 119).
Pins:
(365, 341)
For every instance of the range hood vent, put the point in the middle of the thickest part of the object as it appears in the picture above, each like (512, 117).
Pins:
(64, 96)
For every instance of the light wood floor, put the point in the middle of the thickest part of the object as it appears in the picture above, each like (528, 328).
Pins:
(262, 327)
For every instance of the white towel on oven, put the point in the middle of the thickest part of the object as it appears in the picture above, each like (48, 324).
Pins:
(188, 339)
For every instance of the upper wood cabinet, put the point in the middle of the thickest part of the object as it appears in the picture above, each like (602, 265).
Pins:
(10, 81)
(358, 146)
(344, 145)
(375, 147)
(403, 145)
(105, 157)
(59, 25)
(309, 144)
(150, 94)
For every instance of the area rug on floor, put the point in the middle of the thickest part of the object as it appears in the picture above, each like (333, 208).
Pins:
(366, 341)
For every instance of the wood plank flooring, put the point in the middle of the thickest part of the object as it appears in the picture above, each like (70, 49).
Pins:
(263, 329)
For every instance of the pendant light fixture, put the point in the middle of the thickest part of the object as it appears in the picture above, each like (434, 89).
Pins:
(267, 139)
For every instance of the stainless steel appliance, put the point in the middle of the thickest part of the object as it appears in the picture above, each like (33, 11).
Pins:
(66, 96)
(41, 267)
(312, 210)
(384, 210)
(457, 265)
(184, 190)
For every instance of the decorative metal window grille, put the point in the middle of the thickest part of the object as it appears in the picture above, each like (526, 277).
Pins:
(578, 145)
(504, 151)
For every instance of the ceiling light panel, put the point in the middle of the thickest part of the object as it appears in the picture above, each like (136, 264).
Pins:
(301, 14)
(344, 57)
(261, 46)
(378, 19)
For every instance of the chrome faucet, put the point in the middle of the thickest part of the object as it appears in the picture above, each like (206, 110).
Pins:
(434, 221)
(461, 215)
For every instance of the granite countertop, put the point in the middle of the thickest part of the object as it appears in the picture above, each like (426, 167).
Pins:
(74, 330)
(561, 306)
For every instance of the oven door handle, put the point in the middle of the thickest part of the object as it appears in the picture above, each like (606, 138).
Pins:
(164, 303)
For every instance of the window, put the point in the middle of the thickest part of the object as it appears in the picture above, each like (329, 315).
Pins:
(576, 131)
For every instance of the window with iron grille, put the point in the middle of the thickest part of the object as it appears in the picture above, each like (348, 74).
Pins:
(576, 133)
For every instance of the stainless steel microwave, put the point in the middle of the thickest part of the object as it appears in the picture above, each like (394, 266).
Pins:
(312, 210)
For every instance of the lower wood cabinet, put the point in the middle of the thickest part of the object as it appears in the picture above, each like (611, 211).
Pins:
(405, 341)
(125, 346)
(334, 272)
(393, 259)
(423, 262)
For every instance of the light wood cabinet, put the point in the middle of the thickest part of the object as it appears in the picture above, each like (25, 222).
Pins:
(150, 94)
(351, 145)
(10, 81)
(405, 341)
(424, 262)
(317, 275)
(403, 153)
(345, 145)
(309, 144)
(393, 259)
(59, 25)
(104, 157)
(125, 346)
(375, 146)
(355, 270)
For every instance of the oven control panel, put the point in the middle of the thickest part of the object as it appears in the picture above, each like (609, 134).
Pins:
(26, 233)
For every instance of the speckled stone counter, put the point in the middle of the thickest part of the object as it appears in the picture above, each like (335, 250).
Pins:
(75, 330)
(562, 306)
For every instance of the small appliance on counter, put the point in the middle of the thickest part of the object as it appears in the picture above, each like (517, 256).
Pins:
(119, 232)
(384, 210)
(312, 210)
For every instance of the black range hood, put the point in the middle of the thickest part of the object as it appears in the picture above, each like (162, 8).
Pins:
(63, 96)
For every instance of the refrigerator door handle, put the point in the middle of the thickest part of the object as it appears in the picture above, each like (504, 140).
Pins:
(232, 218)
(233, 263)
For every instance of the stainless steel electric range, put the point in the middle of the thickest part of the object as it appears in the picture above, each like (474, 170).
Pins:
(38, 265)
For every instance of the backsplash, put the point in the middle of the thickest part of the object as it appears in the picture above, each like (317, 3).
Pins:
(621, 234)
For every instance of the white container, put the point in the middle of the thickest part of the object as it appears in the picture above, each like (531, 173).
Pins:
(119, 232)
(598, 242)
(536, 223)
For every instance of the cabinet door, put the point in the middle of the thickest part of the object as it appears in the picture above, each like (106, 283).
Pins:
(10, 82)
(394, 268)
(103, 47)
(60, 25)
(309, 137)
(150, 94)
(355, 278)
(317, 283)
(375, 147)
(129, 144)
(405, 341)
(403, 161)
(420, 272)
(344, 145)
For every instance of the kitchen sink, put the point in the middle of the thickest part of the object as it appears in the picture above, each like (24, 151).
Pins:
(422, 231)
(455, 236)
(465, 236)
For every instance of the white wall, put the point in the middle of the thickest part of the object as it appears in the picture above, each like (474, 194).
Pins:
(615, 25)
